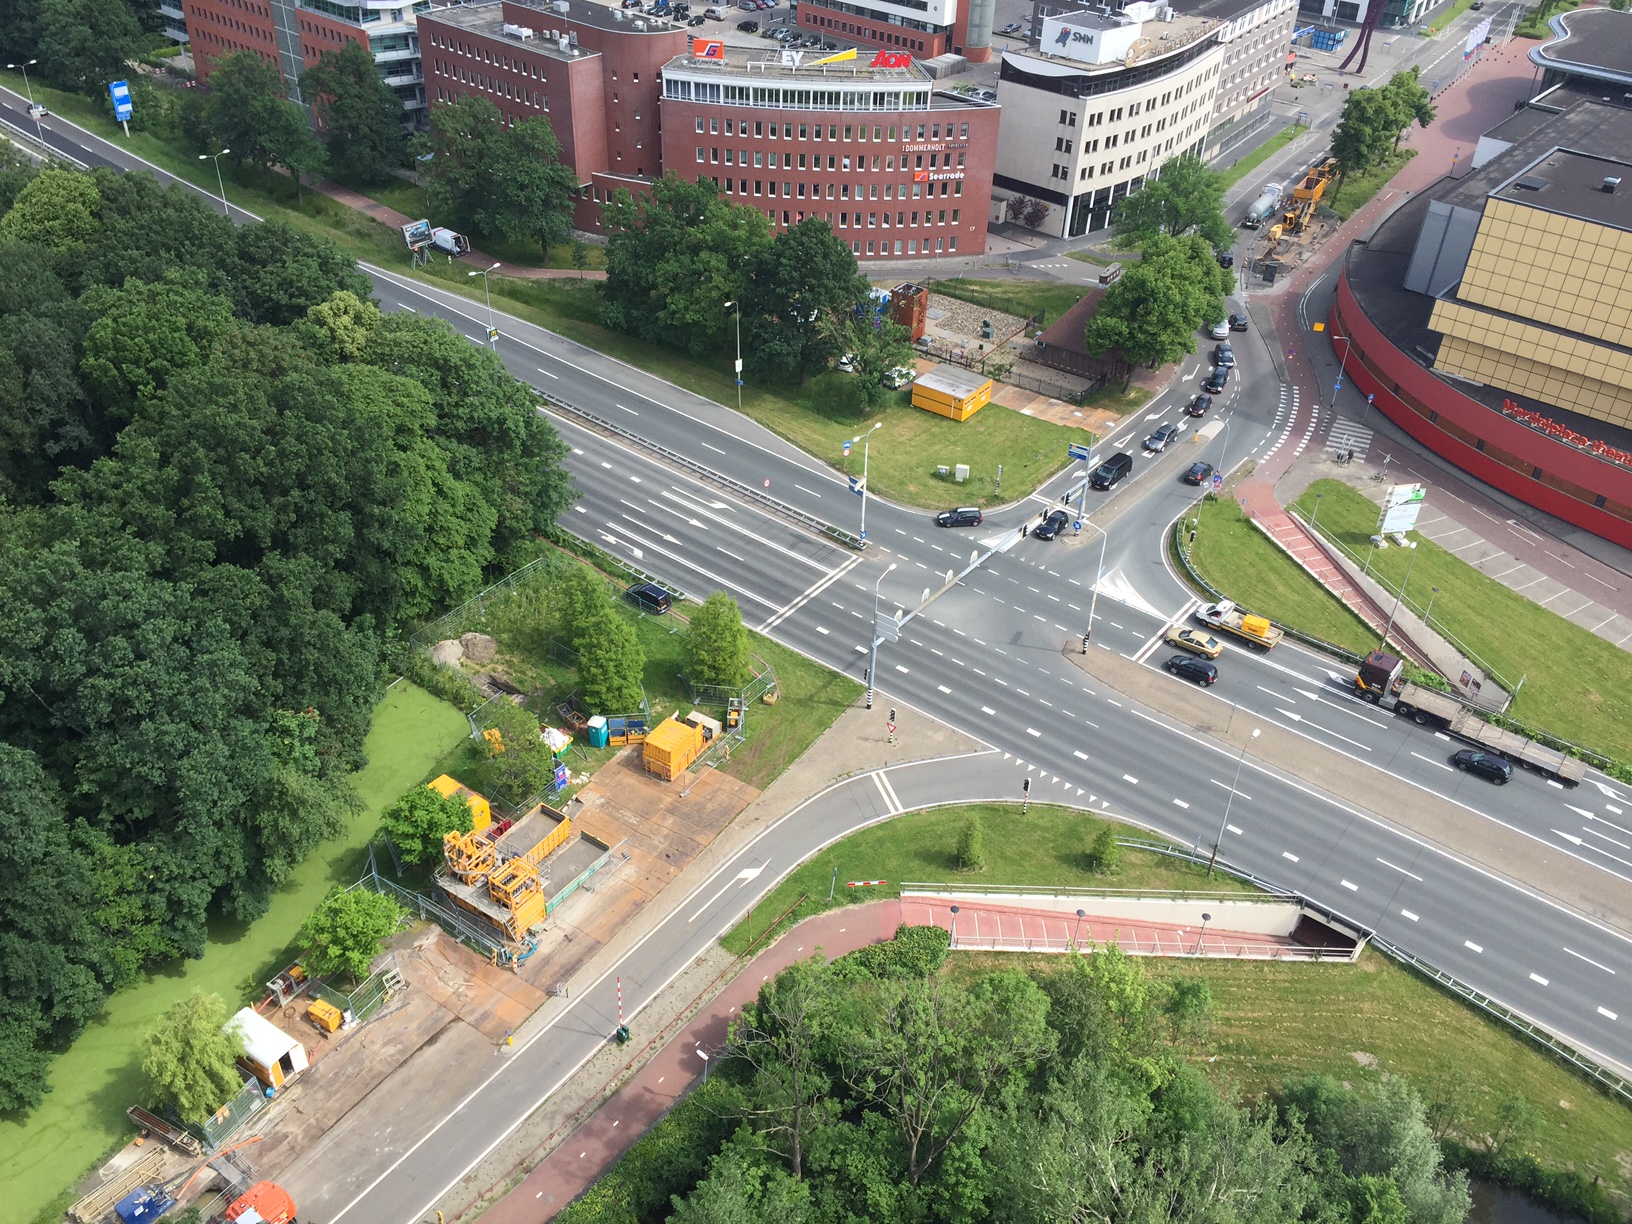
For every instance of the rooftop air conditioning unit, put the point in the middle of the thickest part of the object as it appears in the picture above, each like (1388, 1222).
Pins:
(561, 6)
(640, 25)
(524, 33)
(1611, 182)
(565, 46)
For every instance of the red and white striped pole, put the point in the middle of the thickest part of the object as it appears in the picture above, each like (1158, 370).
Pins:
(620, 1002)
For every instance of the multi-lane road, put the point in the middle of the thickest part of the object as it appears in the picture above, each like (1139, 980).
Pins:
(989, 656)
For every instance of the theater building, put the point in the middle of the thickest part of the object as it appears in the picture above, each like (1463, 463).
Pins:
(899, 170)
(1488, 316)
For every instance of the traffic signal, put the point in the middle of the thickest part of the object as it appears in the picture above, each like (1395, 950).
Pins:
(892, 714)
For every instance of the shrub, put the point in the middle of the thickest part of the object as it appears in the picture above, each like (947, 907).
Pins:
(972, 847)
(1103, 855)
(915, 952)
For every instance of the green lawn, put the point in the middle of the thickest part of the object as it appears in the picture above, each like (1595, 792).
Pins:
(1443, 21)
(1239, 560)
(1265, 151)
(94, 1081)
(1112, 398)
(1024, 298)
(1278, 1021)
(1354, 192)
(1043, 847)
(1579, 686)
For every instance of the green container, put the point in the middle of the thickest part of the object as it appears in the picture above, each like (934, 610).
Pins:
(597, 731)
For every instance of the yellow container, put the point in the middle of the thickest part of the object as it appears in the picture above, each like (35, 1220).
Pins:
(481, 811)
(951, 391)
(1256, 625)
(671, 748)
(326, 1016)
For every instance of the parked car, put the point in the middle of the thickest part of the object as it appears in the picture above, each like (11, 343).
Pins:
(1226, 259)
(898, 377)
(697, 20)
(1158, 441)
(1198, 473)
(1014, 27)
(1219, 330)
(1198, 406)
(1186, 667)
(1112, 470)
(1052, 525)
(1486, 765)
(649, 597)
(1238, 323)
(847, 363)
(748, 27)
(1224, 355)
(1187, 637)
(1216, 381)
(962, 516)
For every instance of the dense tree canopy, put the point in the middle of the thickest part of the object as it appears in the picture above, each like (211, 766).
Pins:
(227, 481)
(1153, 313)
(247, 114)
(1374, 120)
(797, 284)
(362, 116)
(1188, 198)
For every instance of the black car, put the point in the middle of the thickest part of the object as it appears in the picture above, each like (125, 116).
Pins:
(748, 27)
(1112, 470)
(1226, 259)
(1198, 473)
(1224, 355)
(1238, 322)
(963, 516)
(1188, 668)
(649, 597)
(697, 20)
(1198, 406)
(1217, 380)
(1051, 526)
(1486, 765)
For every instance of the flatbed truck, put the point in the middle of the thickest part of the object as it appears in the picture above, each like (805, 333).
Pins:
(1381, 682)
(1227, 618)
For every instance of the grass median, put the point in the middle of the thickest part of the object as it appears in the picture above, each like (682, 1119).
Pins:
(1047, 846)
(1246, 165)
(1577, 685)
(1355, 191)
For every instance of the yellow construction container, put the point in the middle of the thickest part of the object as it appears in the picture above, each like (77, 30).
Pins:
(535, 835)
(952, 391)
(326, 1016)
(481, 812)
(518, 888)
(671, 748)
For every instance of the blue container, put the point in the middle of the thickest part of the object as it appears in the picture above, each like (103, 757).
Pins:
(597, 731)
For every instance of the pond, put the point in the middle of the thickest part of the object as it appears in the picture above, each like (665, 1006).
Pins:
(1493, 1205)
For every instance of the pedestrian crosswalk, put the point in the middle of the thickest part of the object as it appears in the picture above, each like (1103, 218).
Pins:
(1052, 263)
(1347, 436)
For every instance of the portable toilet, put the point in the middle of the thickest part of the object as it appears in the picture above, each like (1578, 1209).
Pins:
(270, 1054)
(597, 731)
(952, 391)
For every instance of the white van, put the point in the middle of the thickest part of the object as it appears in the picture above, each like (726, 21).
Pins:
(714, 13)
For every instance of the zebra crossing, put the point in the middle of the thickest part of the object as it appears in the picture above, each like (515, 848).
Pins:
(1286, 409)
(1347, 435)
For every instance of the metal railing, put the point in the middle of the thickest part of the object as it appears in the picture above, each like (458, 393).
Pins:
(465, 929)
(369, 995)
(224, 1122)
(764, 679)
(781, 508)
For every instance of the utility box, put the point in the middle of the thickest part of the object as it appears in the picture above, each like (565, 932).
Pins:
(909, 306)
(960, 473)
(952, 391)
(671, 748)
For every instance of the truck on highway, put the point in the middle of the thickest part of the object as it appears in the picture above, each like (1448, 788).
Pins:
(1264, 207)
(1227, 618)
(1380, 682)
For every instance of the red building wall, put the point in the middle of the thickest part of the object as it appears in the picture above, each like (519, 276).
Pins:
(851, 28)
(1539, 470)
(217, 28)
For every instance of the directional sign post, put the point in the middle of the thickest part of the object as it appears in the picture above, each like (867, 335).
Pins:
(119, 92)
(1075, 451)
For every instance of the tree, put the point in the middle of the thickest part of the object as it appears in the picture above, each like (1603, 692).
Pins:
(361, 115)
(1517, 1124)
(714, 643)
(1104, 854)
(346, 932)
(191, 1057)
(1188, 198)
(84, 44)
(246, 111)
(1153, 313)
(781, 1036)
(524, 765)
(1188, 1009)
(56, 210)
(288, 142)
(610, 663)
(803, 276)
(578, 596)
(1374, 120)
(419, 820)
(972, 846)
(742, 1187)
(672, 257)
(875, 347)
(1414, 102)
(580, 255)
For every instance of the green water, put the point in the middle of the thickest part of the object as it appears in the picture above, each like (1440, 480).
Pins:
(83, 1115)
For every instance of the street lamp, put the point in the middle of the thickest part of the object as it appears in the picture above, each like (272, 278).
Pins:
(862, 438)
(737, 306)
(1205, 919)
(1337, 383)
(872, 667)
(1316, 515)
(1426, 616)
(33, 111)
(1230, 802)
(1398, 596)
(219, 181)
(1076, 938)
(703, 1054)
(1093, 599)
(492, 332)
(953, 939)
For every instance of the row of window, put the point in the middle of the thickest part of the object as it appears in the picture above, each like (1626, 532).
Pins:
(785, 131)
(528, 67)
(492, 85)
(232, 23)
(877, 16)
(739, 157)
(778, 97)
(841, 191)
(522, 97)
(850, 28)
(941, 245)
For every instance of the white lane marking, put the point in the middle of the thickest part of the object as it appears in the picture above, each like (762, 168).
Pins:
(943, 688)
(1589, 960)
(1287, 854)
(1351, 887)
(1536, 977)
(892, 803)
(802, 489)
(1401, 870)
(1130, 778)
(1234, 829)
(1181, 803)
(1034, 733)
(1409, 914)
(712, 447)
(901, 669)
(741, 878)
(1604, 1011)
(580, 510)
(630, 411)
(1228, 787)
(1299, 718)
(1079, 754)
(988, 710)
(1468, 943)
(544, 372)
(1431, 761)
(821, 630)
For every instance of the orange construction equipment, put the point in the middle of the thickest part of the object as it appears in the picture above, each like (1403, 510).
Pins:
(517, 887)
(1307, 194)
(470, 856)
(326, 1016)
(480, 810)
(671, 748)
(263, 1203)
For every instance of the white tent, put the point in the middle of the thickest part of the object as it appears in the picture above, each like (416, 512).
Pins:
(271, 1055)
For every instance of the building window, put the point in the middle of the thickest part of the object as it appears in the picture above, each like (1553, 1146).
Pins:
(699, 152)
(954, 242)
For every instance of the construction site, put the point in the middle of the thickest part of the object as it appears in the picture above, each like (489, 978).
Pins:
(1300, 229)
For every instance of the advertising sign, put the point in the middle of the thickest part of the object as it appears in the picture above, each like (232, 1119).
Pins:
(1476, 36)
(119, 91)
(707, 49)
(1401, 507)
(891, 59)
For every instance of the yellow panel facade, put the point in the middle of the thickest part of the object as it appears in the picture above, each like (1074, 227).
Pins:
(1577, 389)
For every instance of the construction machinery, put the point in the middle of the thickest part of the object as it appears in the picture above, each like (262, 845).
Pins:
(1306, 196)
(263, 1203)
(495, 872)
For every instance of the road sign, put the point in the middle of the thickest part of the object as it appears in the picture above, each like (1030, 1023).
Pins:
(889, 629)
(1077, 452)
(1371, 397)
(847, 448)
(889, 728)
(119, 92)
(858, 486)
(1218, 481)
(1401, 507)
(560, 776)
(492, 334)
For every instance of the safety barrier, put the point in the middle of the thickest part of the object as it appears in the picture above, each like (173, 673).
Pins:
(781, 508)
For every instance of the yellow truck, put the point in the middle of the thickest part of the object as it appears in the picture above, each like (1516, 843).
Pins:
(1227, 618)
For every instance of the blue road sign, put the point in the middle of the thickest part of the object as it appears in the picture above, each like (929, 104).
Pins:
(847, 448)
(1218, 482)
(1074, 451)
(857, 487)
(1371, 397)
(119, 91)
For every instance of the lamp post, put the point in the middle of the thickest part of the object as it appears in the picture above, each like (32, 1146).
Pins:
(1313, 517)
(953, 939)
(1337, 383)
(1205, 919)
(862, 438)
(1076, 937)
(219, 181)
(1230, 802)
(872, 666)
(1093, 598)
(737, 306)
(703, 1054)
(33, 110)
(492, 332)
(1399, 595)
(1426, 616)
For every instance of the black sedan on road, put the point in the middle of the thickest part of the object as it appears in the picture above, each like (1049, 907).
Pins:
(1051, 526)
(962, 516)
(1198, 473)
(1187, 667)
(1198, 406)
(1486, 765)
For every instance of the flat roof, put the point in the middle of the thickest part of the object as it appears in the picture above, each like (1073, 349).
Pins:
(1167, 38)
(767, 62)
(952, 380)
(488, 18)
(1573, 184)
(1596, 42)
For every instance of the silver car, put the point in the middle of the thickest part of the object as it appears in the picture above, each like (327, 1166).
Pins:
(1157, 442)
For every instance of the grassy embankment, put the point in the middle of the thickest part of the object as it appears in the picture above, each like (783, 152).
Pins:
(817, 416)
(92, 1083)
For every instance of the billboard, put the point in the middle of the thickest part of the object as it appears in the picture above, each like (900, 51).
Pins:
(1401, 507)
(119, 95)
(707, 49)
(1476, 36)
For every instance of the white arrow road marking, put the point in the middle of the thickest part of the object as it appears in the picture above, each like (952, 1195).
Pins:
(741, 878)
